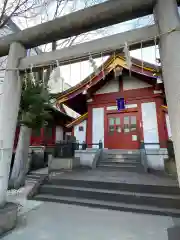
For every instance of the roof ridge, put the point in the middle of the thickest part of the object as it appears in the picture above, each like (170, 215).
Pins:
(136, 62)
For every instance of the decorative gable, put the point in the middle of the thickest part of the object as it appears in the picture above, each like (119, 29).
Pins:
(109, 87)
(130, 82)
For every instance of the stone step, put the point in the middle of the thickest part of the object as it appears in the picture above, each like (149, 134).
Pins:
(122, 167)
(158, 200)
(121, 161)
(111, 164)
(34, 176)
(122, 151)
(122, 156)
(135, 160)
(31, 181)
(117, 186)
(110, 205)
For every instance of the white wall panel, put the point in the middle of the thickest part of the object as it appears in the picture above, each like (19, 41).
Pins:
(150, 126)
(168, 126)
(80, 135)
(98, 125)
(130, 82)
(109, 87)
(59, 133)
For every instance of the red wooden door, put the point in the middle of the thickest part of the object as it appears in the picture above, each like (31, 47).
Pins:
(123, 131)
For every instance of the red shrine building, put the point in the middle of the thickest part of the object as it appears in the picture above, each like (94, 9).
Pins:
(144, 118)
(55, 131)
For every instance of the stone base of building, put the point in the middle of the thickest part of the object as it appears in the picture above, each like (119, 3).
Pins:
(170, 166)
(8, 217)
(59, 164)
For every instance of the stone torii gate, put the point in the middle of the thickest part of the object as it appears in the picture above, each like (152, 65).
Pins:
(166, 29)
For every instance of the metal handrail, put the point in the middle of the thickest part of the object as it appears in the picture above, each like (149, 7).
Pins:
(85, 145)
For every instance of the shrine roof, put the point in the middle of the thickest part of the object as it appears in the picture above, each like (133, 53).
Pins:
(77, 120)
(139, 67)
(58, 114)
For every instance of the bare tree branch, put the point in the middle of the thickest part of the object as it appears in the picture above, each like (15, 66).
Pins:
(14, 8)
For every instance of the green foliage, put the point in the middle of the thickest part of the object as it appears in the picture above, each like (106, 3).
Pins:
(34, 101)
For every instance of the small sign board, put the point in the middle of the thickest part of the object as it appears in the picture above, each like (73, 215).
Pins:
(120, 104)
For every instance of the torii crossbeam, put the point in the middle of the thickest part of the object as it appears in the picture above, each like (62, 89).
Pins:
(106, 45)
(88, 19)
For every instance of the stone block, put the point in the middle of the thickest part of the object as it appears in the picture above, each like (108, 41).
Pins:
(8, 217)
(170, 166)
(57, 164)
(88, 157)
(155, 158)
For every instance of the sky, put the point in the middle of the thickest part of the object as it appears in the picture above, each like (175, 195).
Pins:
(74, 73)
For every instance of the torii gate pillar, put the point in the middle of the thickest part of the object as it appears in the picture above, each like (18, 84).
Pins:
(168, 21)
(9, 107)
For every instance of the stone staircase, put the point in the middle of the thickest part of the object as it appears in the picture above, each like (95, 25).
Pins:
(123, 196)
(35, 176)
(32, 177)
(126, 160)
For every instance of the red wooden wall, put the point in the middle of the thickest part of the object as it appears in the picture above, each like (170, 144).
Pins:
(39, 137)
(135, 96)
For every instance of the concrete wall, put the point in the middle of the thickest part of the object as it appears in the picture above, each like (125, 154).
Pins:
(155, 154)
(89, 157)
(130, 83)
(155, 158)
(58, 164)
(109, 87)
(80, 131)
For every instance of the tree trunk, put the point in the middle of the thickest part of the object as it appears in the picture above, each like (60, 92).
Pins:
(20, 166)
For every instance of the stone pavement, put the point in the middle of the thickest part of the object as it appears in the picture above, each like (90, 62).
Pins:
(19, 197)
(107, 175)
(40, 171)
(38, 220)
(58, 221)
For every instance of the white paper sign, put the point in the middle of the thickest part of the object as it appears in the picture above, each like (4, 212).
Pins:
(134, 137)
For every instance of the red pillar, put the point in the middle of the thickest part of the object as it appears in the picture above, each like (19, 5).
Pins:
(42, 138)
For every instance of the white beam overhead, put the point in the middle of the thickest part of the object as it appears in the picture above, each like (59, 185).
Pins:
(106, 45)
(88, 19)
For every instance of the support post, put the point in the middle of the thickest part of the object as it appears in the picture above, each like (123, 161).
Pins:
(84, 145)
(9, 108)
(168, 21)
(100, 144)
